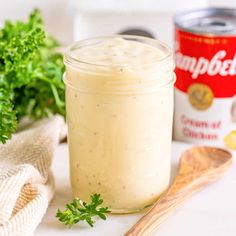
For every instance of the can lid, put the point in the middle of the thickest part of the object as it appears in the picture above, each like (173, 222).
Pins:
(217, 21)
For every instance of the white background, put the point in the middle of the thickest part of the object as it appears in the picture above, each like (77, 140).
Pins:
(57, 15)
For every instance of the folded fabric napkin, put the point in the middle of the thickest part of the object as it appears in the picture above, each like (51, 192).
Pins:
(26, 183)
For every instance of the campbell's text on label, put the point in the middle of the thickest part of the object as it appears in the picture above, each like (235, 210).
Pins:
(217, 65)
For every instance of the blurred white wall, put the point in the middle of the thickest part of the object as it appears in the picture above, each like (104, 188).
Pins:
(223, 3)
(54, 12)
(140, 5)
(57, 17)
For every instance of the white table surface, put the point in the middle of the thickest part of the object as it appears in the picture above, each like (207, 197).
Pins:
(211, 212)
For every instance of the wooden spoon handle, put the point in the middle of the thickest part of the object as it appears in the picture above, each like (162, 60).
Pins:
(196, 171)
(159, 212)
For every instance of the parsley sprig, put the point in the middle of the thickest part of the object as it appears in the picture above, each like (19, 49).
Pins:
(30, 74)
(78, 210)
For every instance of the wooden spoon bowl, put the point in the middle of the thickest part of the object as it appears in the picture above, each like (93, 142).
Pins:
(198, 167)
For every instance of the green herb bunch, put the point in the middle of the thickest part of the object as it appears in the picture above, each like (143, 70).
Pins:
(30, 74)
(78, 210)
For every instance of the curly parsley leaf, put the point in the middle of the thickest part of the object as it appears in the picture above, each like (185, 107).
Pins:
(78, 210)
(8, 120)
(30, 74)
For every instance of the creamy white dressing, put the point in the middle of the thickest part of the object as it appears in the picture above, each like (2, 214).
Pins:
(117, 51)
(120, 122)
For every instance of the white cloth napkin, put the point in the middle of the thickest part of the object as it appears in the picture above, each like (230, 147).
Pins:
(26, 183)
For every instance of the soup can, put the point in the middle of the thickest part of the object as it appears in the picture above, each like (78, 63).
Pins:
(205, 90)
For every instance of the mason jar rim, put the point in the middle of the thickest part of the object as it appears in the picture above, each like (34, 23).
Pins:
(73, 61)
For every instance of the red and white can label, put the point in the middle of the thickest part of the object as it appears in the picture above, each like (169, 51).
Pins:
(205, 89)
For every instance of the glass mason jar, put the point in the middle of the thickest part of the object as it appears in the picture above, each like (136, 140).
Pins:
(119, 102)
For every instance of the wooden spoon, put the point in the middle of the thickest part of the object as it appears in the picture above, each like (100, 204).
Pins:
(198, 167)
